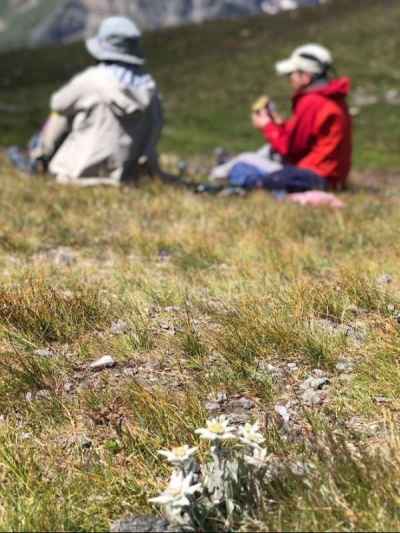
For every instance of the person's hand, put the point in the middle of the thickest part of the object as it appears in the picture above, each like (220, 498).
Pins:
(260, 119)
(276, 117)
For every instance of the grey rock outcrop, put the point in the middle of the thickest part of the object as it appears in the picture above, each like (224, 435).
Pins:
(69, 20)
(141, 524)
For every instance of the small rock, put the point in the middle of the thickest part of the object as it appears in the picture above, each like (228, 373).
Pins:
(243, 403)
(81, 441)
(344, 366)
(43, 352)
(299, 469)
(314, 383)
(391, 308)
(130, 371)
(292, 367)
(265, 367)
(67, 294)
(385, 279)
(314, 397)
(222, 397)
(270, 368)
(141, 524)
(382, 399)
(238, 419)
(68, 387)
(212, 407)
(153, 366)
(84, 442)
(104, 362)
(318, 373)
(43, 395)
(119, 327)
(357, 332)
(364, 427)
(283, 413)
(171, 309)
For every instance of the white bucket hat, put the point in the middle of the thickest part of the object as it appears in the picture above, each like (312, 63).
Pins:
(118, 39)
(312, 58)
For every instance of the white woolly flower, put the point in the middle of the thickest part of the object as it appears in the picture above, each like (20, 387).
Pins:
(217, 429)
(178, 490)
(179, 455)
(250, 434)
(258, 459)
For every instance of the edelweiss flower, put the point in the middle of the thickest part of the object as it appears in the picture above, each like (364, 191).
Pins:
(217, 429)
(259, 458)
(250, 434)
(179, 455)
(177, 492)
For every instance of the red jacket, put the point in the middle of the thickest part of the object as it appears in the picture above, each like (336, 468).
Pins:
(318, 135)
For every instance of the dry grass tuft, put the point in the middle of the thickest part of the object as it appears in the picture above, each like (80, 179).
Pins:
(47, 314)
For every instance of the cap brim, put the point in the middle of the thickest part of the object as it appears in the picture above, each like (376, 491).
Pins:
(285, 67)
(97, 51)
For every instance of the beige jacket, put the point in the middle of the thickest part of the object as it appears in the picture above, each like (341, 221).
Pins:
(112, 124)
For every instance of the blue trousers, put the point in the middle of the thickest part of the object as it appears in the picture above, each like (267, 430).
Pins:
(293, 179)
(288, 179)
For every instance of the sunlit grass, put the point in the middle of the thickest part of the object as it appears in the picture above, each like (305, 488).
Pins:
(205, 298)
(210, 292)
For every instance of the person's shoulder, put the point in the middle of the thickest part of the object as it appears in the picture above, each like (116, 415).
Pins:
(324, 103)
(86, 74)
(308, 100)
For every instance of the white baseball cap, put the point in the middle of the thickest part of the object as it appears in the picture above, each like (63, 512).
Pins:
(312, 58)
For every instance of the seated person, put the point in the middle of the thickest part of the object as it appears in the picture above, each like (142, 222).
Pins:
(316, 142)
(310, 151)
(106, 120)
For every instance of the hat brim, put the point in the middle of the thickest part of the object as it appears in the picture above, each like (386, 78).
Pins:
(96, 50)
(285, 67)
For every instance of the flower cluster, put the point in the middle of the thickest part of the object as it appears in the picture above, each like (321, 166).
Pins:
(218, 429)
(190, 495)
(179, 489)
(180, 455)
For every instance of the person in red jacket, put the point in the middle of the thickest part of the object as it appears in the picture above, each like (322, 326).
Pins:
(316, 141)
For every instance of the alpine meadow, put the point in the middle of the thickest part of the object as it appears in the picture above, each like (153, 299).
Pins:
(250, 307)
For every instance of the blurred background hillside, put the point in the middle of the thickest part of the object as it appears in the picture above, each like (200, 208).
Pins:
(35, 22)
(210, 73)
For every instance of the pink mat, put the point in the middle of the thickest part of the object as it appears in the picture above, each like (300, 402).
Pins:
(316, 198)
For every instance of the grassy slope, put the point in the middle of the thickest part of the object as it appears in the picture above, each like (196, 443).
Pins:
(219, 69)
(209, 288)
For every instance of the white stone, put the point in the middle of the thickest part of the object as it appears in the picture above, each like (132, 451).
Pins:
(283, 413)
(104, 362)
